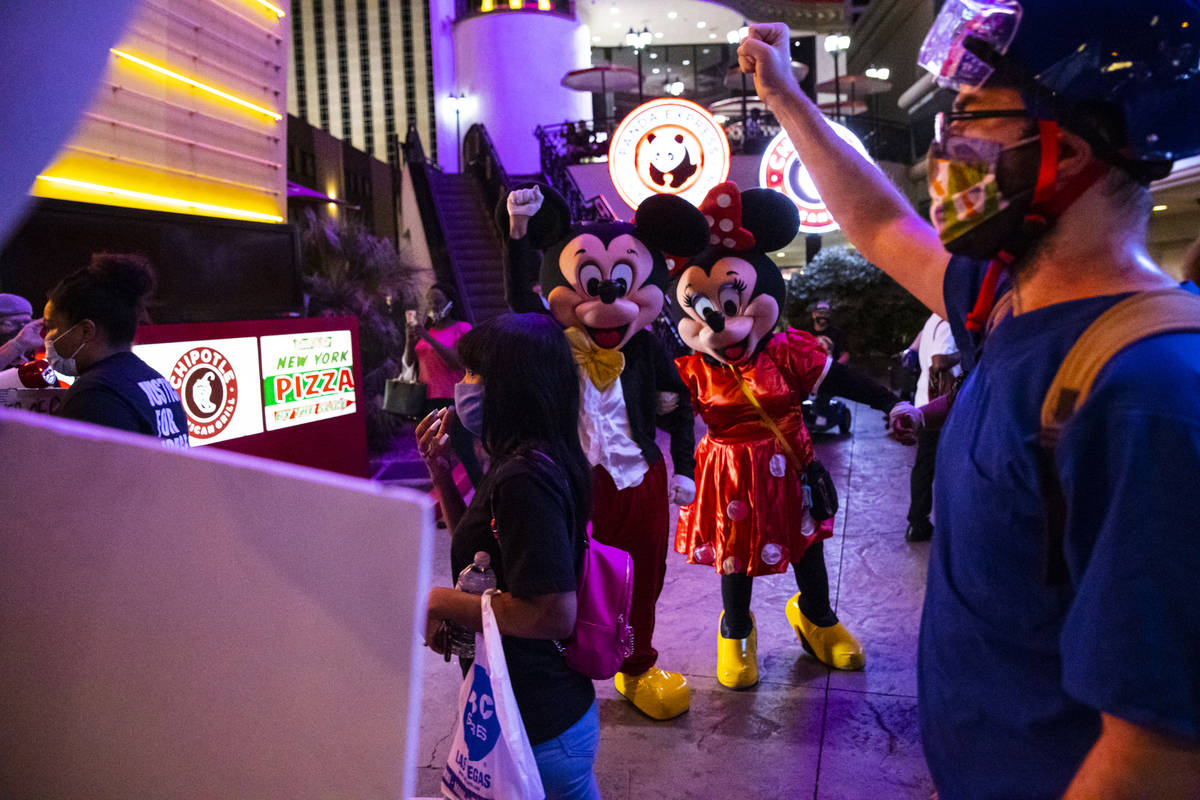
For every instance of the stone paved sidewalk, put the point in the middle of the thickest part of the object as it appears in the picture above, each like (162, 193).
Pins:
(804, 731)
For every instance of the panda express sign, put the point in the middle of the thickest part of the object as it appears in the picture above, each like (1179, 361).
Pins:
(668, 146)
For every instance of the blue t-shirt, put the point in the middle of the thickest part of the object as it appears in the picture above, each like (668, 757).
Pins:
(1014, 672)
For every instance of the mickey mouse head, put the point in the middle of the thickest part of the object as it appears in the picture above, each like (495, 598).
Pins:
(732, 293)
(607, 278)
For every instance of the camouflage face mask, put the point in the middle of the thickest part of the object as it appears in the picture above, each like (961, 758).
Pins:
(962, 184)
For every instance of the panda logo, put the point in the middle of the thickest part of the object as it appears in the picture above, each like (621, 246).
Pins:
(667, 153)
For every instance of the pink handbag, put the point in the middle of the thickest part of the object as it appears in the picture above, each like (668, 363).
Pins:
(603, 638)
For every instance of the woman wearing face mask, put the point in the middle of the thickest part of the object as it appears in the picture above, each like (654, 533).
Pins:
(90, 319)
(430, 346)
(521, 397)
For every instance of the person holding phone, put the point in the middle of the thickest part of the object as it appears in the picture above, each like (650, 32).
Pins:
(431, 347)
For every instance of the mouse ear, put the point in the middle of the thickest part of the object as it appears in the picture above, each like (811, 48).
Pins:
(548, 225)
(771, 216)
(671, 224)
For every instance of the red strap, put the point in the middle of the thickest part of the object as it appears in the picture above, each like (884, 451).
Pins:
(1076, 186)
(1048, 167)
(987, 292)
(1049, 203)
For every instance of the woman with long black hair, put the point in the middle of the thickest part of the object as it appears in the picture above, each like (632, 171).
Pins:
(530, 512)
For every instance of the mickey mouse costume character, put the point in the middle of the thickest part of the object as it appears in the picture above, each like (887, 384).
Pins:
(604, 283)
(750, 516)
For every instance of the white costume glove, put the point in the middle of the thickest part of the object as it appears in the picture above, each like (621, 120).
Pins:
(905, 420)
(682, 491)
(524, 202)
(667, 402)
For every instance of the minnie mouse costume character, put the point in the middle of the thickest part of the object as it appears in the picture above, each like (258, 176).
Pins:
(603, 282)
(750, 516)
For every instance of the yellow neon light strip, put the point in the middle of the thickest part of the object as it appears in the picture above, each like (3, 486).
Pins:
(198, 84)
(173, 202)
(278, 11)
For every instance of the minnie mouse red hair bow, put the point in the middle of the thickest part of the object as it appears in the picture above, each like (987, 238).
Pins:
(722, 209)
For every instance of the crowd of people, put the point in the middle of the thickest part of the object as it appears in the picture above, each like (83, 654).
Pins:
(1059, 655)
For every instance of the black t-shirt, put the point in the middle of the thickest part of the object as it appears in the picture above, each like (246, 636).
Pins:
(536, 551)
(123, 392)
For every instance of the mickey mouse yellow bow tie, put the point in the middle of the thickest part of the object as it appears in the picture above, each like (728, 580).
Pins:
(602, 366)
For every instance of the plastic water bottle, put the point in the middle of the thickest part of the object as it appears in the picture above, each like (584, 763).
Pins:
(476, 578)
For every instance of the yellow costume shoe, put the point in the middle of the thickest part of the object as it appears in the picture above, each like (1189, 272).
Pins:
(656, 693)
(834, 645)
(737, 659)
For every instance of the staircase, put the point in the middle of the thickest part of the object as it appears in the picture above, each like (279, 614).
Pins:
(474, 248)
(517, 180)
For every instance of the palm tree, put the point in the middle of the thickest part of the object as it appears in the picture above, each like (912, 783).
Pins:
(350, 271)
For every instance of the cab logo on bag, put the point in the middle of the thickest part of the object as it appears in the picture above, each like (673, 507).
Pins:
(208, 389)
(481, 726)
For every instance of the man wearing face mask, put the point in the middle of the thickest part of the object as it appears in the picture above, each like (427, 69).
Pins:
(20, 334)
(90, 320)
(1060, 641)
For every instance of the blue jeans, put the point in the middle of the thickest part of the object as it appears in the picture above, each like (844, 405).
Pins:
(565, 762)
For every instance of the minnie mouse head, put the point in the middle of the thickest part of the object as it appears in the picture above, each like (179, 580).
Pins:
(608, 278)
(732, 293)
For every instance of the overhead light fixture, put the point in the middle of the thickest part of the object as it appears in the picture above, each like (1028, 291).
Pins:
(595, 38)
(781, 255)
(687, 62)
(881, 73)
(176, 203)
(1159, 207)
(712, 36)
(701, 24)
(645, 37)
(614, 10)
(192, 82)
(837, 43)
(672, 14)
(658, 34)
(654, 55)
(655, 71)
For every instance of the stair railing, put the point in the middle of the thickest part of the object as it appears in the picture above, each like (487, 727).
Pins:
(553, 149)
(420, 170)
(483, 162)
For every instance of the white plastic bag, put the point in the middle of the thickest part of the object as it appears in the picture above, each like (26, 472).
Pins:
(490, 758)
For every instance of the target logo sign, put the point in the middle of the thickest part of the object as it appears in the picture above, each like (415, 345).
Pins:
(668, 146)
(782, 170)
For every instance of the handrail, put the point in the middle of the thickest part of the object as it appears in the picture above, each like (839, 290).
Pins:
(555, 159)
(482, 160)
(604, 211)
(419, 167)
